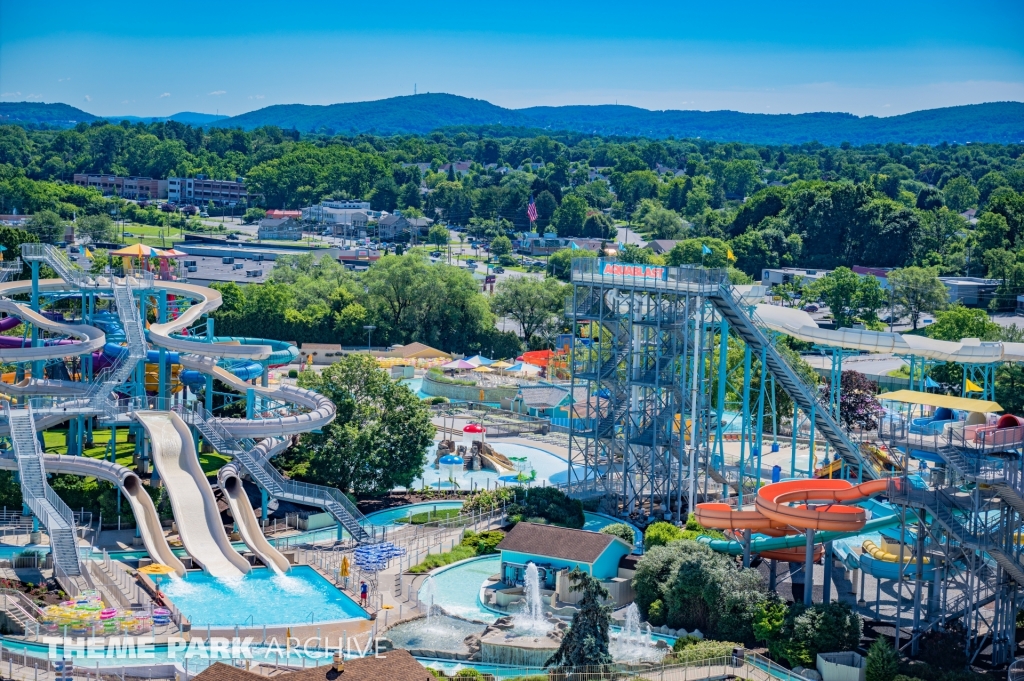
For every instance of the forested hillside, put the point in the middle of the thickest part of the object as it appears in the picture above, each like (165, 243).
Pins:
(1001, 122)
(772, 205)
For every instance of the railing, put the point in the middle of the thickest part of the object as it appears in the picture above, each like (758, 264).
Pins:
(72, 273)
(610, 271)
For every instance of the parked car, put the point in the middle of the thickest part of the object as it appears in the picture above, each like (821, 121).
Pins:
(204, 214)
(233, 237)
(499, 270)
(435, 254)
(810, 308)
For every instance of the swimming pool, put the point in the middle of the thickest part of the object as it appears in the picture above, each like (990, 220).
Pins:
(457, 589)
(301, 596)
(551, 469)
(388, 517)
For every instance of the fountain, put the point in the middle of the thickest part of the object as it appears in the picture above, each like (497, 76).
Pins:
(634, 643)
(428, 592)
(531, 618)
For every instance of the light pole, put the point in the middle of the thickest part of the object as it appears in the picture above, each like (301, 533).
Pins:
(369, 334)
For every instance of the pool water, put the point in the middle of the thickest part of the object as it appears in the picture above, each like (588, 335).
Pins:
(551, 469)
(415, 385)
(457, 589)
(387, 518)
(300, 597)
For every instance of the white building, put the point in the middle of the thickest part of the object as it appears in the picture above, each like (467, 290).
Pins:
(785, 275)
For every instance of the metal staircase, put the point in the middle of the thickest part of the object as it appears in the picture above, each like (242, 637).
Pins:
(135, 335)
(44, 502)
(730, 305)
(333, 501)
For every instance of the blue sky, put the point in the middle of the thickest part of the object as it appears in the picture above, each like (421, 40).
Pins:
(869, 58)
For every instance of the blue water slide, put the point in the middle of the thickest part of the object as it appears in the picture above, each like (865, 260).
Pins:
(283, 351)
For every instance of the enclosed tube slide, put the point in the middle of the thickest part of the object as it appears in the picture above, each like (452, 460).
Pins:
(800, 325)
(195, 509)
(245, 517)
(322, 410)
(131, 486)
(284, 353)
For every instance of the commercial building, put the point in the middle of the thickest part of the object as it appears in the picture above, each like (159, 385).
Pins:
(279, 229)
(200, 190)
(140, 188)
(785, 275)
(548, 244)
(970, 291)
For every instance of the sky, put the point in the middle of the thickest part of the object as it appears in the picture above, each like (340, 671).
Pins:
(872, 57)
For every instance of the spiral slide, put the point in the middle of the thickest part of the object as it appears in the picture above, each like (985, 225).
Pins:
(781, 511)
(90, 339)
(195, 509)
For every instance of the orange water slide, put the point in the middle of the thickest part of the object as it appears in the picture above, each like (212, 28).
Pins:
(778, 511)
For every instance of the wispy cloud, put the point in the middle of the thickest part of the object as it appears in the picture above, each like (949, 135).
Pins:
(88, 98)
(256, 96)
(166, 94)
(127, 101)
(61, 80)
(219, 92)
(33, 96)
(10, 94)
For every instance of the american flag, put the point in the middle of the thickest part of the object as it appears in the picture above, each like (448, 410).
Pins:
(531, 210)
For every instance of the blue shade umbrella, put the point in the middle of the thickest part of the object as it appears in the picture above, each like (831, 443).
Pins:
(479, 360)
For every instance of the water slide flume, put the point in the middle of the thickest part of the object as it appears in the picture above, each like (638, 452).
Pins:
(131, 486)
(248, 524)
(195, 509)
(90, 339)
(781, 511)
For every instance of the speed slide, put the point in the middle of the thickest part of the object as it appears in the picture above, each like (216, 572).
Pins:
(172, 444)
(782, 513)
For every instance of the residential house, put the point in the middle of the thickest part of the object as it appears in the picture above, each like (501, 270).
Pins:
(662, 246)
(879, 273)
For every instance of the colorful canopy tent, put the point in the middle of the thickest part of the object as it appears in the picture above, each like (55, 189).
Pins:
(458, 364)
(479, 360)
(524, 368)
(140, 251)
(165, 257)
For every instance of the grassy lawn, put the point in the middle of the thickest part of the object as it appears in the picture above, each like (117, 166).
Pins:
(55, 441)
(430, 516)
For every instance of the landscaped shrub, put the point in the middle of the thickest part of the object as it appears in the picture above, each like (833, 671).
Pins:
(699, 589)
(660, 534)
(548, 503)
(473, 544)
(656, 613)
(437, 399)
(882, 662)
(820, 628)
(293, 373)
(488, 500)
(620, 530)
(692, 649)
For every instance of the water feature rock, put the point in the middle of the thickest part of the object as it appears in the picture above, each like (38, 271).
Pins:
(660, 643)
(385, 644)
(663, 629)
(696, 634)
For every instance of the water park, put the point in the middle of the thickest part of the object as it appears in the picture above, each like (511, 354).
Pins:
(688, 408)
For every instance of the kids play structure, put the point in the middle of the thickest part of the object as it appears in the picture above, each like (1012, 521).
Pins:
(139, 353)
(681, 369)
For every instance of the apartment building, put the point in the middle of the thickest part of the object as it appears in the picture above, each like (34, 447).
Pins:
(200, 190)
(140, 188)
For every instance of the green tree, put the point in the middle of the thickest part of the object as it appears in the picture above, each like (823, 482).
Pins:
(569, 218)
(560, 262)
(620, 530)
(546, 206)
(882, 663)
(847, 295)
(660, 534)
(958, 322)
(917, 290)
(821, 628)
(663, 223)
(586, 642)
(501, 245)
(96, 227)
(47, 226)
(380, 436)
(692, 252)
(993, 231)
(599, 226)
(631, 253)
(438, 235)
(253, 215)
(533, 303)
(960, 194)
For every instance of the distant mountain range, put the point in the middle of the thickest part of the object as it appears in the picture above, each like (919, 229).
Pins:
(1001, 122)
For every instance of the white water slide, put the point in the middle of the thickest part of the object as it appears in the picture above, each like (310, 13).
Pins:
(800, 325)
(195, 509)
(248, 524)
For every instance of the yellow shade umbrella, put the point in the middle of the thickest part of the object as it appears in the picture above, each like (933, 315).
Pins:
(500, 364)
(157, 569)
(483, 370)
(135, 251)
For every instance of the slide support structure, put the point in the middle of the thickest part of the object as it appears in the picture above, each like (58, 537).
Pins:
(809, 568)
